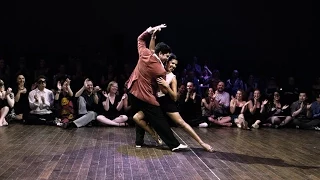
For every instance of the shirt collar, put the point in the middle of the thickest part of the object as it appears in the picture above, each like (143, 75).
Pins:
(158, 59)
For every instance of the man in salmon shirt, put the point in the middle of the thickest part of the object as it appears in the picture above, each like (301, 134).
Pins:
(143, 87)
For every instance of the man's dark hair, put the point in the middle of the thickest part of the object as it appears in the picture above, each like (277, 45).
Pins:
(172, 56)
(163, 48)
(41, 77)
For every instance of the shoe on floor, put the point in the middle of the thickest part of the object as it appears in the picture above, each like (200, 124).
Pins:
(180, 147)
(203, 125)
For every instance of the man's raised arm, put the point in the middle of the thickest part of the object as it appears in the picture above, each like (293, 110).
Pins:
(141, 42)
(141, 39)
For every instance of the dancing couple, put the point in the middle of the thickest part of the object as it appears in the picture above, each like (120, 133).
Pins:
(153, 91)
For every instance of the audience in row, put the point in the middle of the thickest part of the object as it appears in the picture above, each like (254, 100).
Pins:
(203, 99)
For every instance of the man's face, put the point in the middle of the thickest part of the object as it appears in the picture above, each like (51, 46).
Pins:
(42, 83)
(302, 97)
(89, 86)
(220, 86)
(164, 57)
(190, 87)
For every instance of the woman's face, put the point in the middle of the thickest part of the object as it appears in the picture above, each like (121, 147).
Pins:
(114, 88)
(182, 88)
(171, 65)
(256, 94)
(21, 79)
(210, 92)
(239, 95)
(276, 96)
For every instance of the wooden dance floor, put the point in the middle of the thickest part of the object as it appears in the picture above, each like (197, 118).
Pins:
(44, 152)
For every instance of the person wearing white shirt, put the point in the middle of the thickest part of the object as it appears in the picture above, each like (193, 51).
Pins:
(40, 101)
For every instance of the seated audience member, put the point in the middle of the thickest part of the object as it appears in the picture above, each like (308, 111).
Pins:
(181, 91)
(21, 106)
(315, 108)
(6, 102)
(41, 102)
(191, 77)
(257, 110)
(113, 107)
(190, 105)
(64, 101)
(88, 100)
(221, 107)
(277, 114)
(207, 104)
(237, 109)
(301, 113)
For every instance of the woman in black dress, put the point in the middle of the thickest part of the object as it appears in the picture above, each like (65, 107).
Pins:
(257, 108)
(113, 107)
(21, 106)
(6, 101)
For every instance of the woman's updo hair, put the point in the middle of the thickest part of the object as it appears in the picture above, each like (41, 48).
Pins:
(171, 57)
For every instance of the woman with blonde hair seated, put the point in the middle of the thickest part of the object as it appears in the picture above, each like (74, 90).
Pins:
(113, 107)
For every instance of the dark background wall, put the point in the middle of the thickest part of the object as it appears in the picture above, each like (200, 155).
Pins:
(252, 36)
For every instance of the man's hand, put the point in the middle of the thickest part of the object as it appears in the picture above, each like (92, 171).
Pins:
(42, 99)
(151, 30)
(36, 98)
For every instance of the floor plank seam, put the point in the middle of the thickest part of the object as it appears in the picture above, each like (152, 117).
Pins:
(196, 155)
